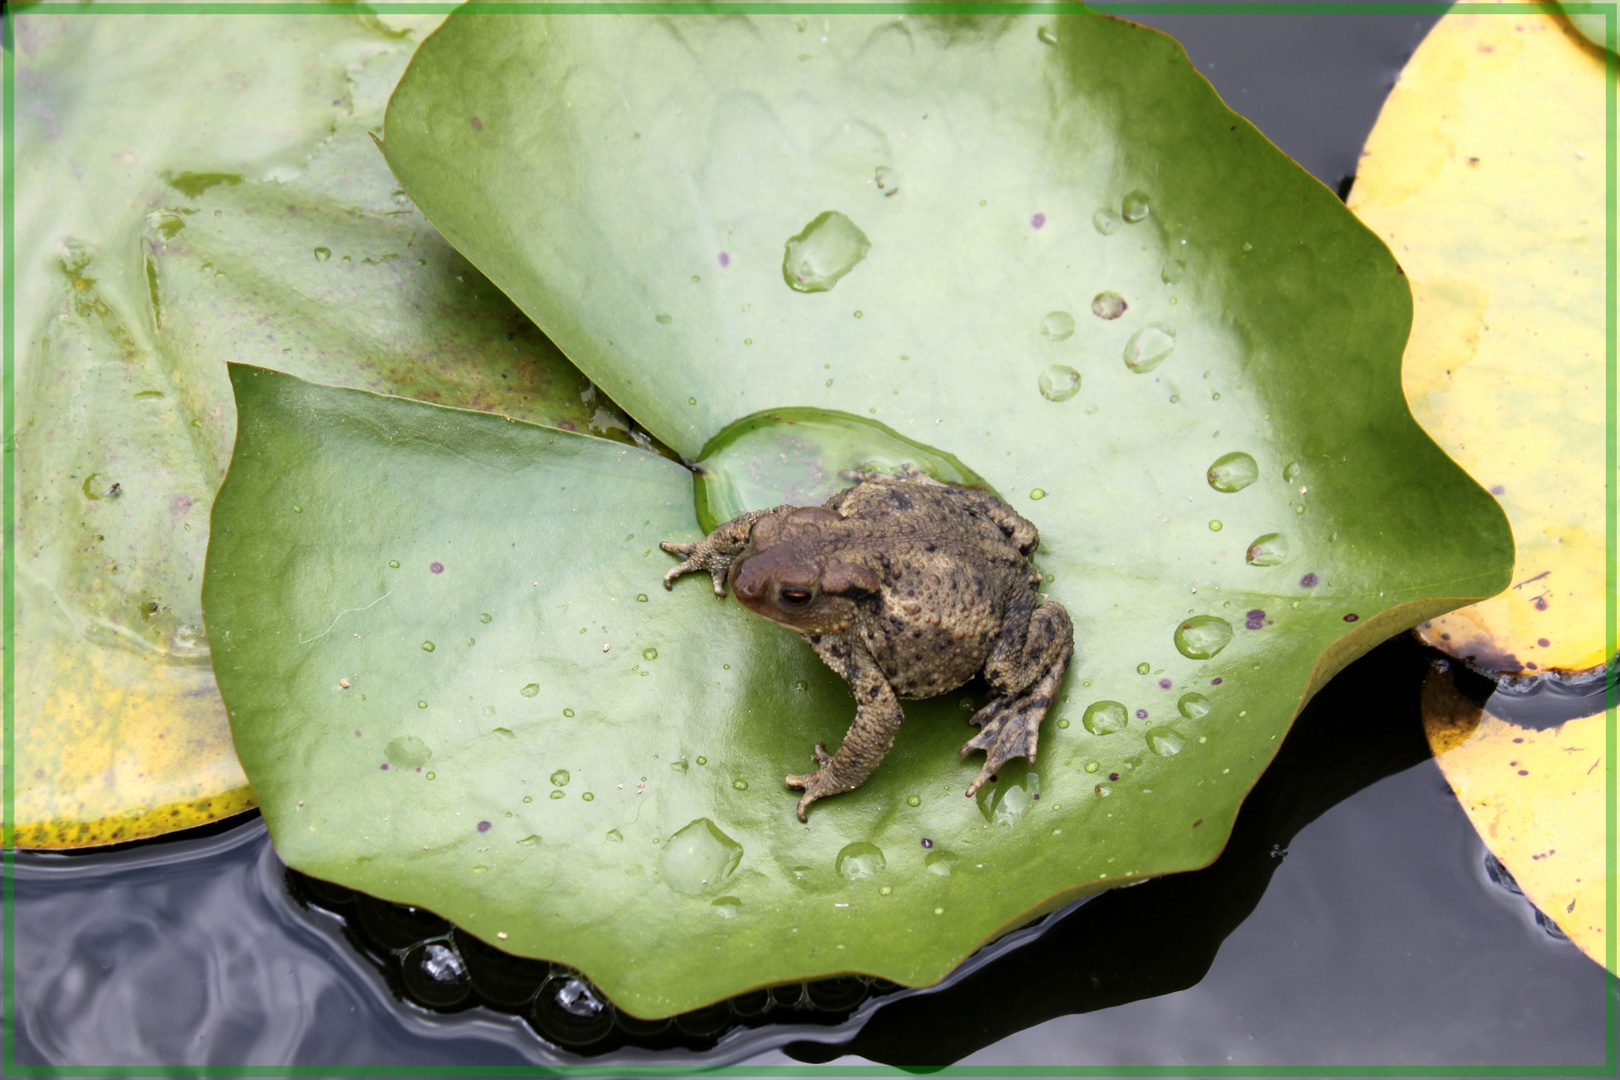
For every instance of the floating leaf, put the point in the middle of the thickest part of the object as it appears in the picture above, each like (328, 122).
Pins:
(1533, 787)
(1490, 148)
(697, 148)
(164, 239)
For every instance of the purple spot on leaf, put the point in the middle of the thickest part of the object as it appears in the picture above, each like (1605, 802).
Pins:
(1541, 603)
(1498, 490)
(1215, 681)
(1352, 617)
(927, 843)
(385, 766)
(483, 826)
(1255, 619)
(437, 568)
(1164, 684)
(1113, 776)
(1141, 714)
(1308, 581)
(1543, 642)
(724, 260)
(1037, 221)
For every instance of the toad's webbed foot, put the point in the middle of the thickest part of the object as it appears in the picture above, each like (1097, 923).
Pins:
(1009, 725)
(1007, 729)
(823, 782)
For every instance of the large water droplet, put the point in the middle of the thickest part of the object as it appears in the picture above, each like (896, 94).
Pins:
(1057, 326)
(1202, 636)
(1165, 742)
(1148, 347)
(649, 653)
(1105, 717)
(322, 254)
(1007, 803)
(860, 860)
(560, 778)
(1233, 472)
(940, 862)
(794, 455)
(1108, 305)
(1135, 206)
(827, 249)
(407, 752)
(1268, 550)
(1291, 471)
(1193, 706)
(1060, 382)
(698, 858)
(1106, 222)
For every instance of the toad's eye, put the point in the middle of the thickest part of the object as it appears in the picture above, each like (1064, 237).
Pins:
(795, 597)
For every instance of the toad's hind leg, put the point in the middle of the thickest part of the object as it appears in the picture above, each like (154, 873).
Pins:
(1026, 669)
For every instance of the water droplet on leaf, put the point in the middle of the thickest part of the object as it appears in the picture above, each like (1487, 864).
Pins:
(1105, 717)
(860, 860)
(1059, 383)
(1193, 706)
(1233, 472)
(1057, 326)
(1108, 305)
(698, 858)
(1148, 347)
(1202, 636)
(827, 249)
(1165, 742)
(1268, 550)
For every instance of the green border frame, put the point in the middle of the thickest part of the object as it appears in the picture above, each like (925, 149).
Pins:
(8, 1066)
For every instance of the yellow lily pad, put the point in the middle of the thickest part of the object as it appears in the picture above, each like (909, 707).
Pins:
(1485, 175)
(1536, 798)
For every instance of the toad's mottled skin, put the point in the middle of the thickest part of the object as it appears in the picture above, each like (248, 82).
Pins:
(906, 587)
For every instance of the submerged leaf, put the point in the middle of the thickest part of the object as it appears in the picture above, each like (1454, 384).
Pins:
(633, 184)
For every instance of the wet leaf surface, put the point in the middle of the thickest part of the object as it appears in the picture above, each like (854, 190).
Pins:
(1060, 161)
(157, 243)
(1485, 175)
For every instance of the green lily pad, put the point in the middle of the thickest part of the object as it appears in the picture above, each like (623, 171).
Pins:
(152, 255)
(1083, 281)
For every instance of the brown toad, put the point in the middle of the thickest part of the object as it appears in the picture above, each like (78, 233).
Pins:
(906, 587)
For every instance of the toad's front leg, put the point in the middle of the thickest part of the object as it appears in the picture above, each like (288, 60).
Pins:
(717, 551)
(877, 718)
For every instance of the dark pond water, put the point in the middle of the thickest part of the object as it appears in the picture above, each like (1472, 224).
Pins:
(1354, 920)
